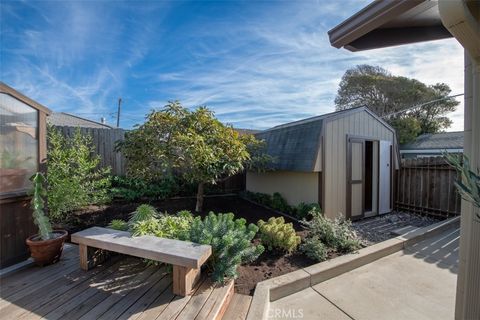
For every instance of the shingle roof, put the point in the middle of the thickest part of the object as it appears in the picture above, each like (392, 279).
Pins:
(294, 147)
(70, 120)
(444, 140)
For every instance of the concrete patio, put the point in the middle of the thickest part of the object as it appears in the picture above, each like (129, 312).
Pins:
(416, 283)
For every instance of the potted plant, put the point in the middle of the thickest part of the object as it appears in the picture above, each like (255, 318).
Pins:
(45, 247)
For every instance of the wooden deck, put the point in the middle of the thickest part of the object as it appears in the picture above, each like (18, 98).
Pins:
(238, 307)
(122, 288)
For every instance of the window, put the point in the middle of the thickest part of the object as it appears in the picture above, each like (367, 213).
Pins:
(18, 144)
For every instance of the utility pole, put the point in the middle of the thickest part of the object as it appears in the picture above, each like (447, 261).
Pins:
(118, 112)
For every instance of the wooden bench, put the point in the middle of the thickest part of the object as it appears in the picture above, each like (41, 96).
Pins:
(186, 257)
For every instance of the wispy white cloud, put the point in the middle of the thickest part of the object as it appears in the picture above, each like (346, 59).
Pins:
(257, 67)
(292, 72)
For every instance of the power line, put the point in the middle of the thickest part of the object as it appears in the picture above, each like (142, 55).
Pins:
(421, 105)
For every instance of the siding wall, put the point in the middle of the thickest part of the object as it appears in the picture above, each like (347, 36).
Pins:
(295, 187)
(335, 140)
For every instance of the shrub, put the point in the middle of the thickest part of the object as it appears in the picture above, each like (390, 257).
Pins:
(314, 248)
(303, 209)
(147, 221)
(74, 177)
(276, 202)
(231, 242)
(175, 227)
(118, 224)
(337, 234)
(132, 189)
(142, 213)
(276, 234)
(38, 204)
(280, 204)
(199, 147)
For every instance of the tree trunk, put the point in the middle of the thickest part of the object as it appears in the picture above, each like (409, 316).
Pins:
(199, 205)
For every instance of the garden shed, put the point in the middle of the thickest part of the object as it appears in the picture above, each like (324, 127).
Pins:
(23, 148)
(344, 161)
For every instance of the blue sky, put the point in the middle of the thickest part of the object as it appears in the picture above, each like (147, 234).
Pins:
(255, 63)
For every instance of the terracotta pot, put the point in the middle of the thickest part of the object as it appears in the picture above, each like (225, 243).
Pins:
(47, 251)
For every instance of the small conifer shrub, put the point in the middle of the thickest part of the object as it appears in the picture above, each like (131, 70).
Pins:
(231, 241)
(276, 234)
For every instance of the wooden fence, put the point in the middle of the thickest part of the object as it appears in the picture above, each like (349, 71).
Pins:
(104, 143)
(426, 185)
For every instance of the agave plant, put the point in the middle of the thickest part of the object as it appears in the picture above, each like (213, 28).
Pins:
(468, 183)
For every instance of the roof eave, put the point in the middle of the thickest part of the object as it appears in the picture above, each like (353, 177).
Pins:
(367, 19)
(365, 30)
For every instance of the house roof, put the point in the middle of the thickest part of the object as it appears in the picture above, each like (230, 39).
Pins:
(385, 23)
(295, 145)
(69, 120)
(440, 141)
(246, 131)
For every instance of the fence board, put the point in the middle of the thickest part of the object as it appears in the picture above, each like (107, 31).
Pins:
(426, 185)
(104, 141)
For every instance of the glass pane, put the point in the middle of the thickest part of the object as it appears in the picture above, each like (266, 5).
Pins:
(18, 144)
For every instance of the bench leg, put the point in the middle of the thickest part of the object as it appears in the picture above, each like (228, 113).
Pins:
(83, 256)
(184, 279)
(90, 257)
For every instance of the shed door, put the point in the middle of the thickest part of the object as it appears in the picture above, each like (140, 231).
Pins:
(385, 177)
(356, 177)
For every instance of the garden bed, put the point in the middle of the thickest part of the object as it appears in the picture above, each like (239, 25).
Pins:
(103, 214)
(269, 264)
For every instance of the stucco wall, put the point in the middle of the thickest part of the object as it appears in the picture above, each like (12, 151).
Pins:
(295, 187)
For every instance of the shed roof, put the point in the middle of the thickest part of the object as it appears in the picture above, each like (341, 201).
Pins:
(443, 140)
(295, 145)
(66, 119)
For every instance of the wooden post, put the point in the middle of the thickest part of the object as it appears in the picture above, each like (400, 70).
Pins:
(83, 256)
(184, 279)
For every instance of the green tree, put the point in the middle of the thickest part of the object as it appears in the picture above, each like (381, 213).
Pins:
(74, 178)
(408, 128)
(384, 94)
(193, 144)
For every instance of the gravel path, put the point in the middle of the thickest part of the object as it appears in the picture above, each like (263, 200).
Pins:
(379, 228)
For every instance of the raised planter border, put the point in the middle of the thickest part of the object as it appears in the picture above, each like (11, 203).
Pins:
(287, 284)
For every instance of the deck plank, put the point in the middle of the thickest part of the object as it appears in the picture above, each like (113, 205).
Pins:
(130, 298)
(120, 288)
(80, 305)
(158, 305)
(117, 295)
(193, 307)
(75, 293)
(175, 306)
(30, 276)
(217, 303)
(48, 281)
(238, 308)
(135, 310)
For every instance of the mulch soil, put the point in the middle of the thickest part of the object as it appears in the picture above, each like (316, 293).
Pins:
(269, 264)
